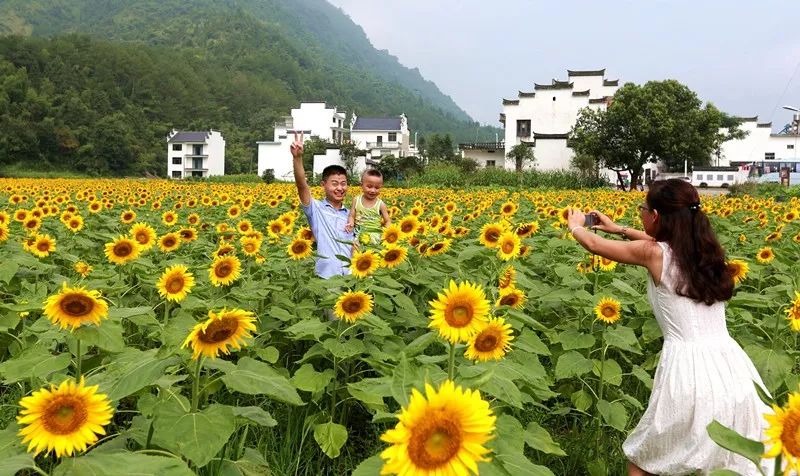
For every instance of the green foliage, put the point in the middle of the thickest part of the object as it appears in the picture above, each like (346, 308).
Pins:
(101, 107)
(439, 147)
(661, 120)
(755, 189)
(453, 175)
(521, 154)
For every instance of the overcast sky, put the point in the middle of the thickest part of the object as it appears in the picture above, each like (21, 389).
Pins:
(741, 55)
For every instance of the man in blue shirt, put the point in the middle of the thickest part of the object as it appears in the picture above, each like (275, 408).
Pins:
(327, 218)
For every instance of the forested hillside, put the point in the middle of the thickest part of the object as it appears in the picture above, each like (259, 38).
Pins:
(105, 102)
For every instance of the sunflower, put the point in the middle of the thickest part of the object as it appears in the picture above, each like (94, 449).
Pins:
(511, 297)
(604, 263)
(527, 229)
(393, 255)
(223, 250)
(275, 228)
(193, 219)
(75, 306)
(364, 263)
(439, 247)
(765, 255)
(783, 431)
(738, 270)
(408, 226)
(507, 277)
(122, 250)
(224, 270)
(82, 268)
(508, 208)
(75, 223)
(32, 224)
(66, 418)
(459, 312)
(169, 218)
(169, 242)
(352, 305)
(144, 234)
(187, 234)
(250, 245)
(299, 249)
(127, 216)
(305, 233)
(793, 313)
(4, 233)
(608, 310)
(234, 211)
(244, 226)
(391, 234)
(440, 433)
(43, 245)
(774, 236)
(490, 234)
(491, 343)
(175, 283)
(221, 330)
(508, 246)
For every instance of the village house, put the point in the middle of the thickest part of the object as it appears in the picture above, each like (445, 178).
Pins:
(195, 154)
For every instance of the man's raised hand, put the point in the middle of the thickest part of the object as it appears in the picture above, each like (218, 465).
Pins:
(297, 145)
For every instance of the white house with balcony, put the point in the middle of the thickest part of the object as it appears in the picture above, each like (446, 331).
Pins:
(543, 117)
(195, 154)
(761, 151)
(381, 136)
(312, 119)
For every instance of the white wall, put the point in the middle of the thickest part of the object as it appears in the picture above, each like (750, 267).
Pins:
(214, 147)
(551, 154)
(482, 155)
(275, 156)
(333, 157)
(756, 144)
(317, 118)
(397, 148)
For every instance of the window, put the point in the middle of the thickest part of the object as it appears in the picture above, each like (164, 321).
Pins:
(334, 120)
(198, 149)
(730, 178)
(177, 146)
(709, 177)
(719, 176)
(523, 128)
(282, 137)
(176, 174)
(490, 164)
(392, 137)
(769, 156)
(699, 176)
(380, 140)
(176, 161)
(790, 146)
(197, 173)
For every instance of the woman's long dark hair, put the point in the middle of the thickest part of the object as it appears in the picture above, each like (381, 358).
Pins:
(683, 225)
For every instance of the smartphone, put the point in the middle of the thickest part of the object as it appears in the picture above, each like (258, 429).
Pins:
(590, 220)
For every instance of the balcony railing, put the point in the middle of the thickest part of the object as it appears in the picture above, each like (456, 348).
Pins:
(192, 169)
(198, 156)
(383, 145)
(481, 145)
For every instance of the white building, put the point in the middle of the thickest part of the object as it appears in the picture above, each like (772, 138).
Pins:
(486, 154)
(312, 120)
(543, 118)
(381, 136)
(195, 154)
(761, 151)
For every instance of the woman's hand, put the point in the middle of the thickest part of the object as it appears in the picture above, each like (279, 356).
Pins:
(604, 223)
(575, 218)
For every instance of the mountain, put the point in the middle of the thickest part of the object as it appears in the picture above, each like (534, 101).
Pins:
(235, 65)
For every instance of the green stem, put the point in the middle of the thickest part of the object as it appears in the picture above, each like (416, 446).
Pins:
(451, 367)
(166, 313)
(778, 469)
(196, 384)
(77, 359)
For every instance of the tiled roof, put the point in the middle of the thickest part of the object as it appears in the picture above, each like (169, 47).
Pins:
(190, 136)
(510, 102)
(539, 135)
(596, 72)
(580, 93)
(611, 82)
(377, 124)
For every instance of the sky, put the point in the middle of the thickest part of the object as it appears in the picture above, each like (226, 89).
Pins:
(743, 56)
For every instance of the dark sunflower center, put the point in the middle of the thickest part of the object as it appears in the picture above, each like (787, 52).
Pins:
(790, 437)
(459, 315)
(391, 237)
(169, 242)
(391, 256)
(64, 415)
(298, 247)
(436, 247)
(76, 305)
(123, 249)
(435, 441)
(492, 236)
(487, 341)
(508, 247)
(43, 246)
(175, 284)
(509, 300)
(142, 237)
(352, 305)
(128, 216)
(406, 227)
(608, 311)
(223, 270)
(276, 228)
(219, 331)
(363, 264)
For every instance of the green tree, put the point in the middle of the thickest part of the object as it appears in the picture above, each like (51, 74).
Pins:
(661, 120)
(521, 154)
(439, 147)
(349, 152)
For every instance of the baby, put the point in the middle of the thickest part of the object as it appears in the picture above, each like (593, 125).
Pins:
(368, 213)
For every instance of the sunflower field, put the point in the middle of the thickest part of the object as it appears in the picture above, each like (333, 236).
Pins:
(178, 328)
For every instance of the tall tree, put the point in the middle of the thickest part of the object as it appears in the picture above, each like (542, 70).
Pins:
(661, 120)
(440, 147)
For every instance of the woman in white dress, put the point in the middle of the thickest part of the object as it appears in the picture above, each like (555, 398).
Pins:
(702, 374)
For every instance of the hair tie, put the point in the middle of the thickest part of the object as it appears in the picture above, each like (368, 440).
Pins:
(694, 207)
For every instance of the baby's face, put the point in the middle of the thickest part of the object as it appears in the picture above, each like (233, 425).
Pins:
(371, 186)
